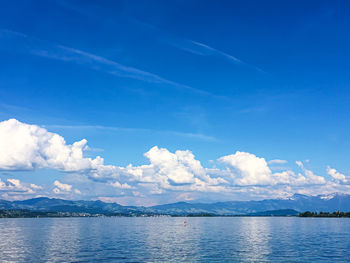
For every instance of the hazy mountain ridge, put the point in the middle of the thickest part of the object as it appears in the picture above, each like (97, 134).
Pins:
(301, 203)
(297, 202)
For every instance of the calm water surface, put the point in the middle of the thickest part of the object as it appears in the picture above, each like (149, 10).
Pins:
(219, 239)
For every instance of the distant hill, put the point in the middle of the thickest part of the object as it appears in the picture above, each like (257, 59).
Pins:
(334, 202)
(268, 207)
(44, 204)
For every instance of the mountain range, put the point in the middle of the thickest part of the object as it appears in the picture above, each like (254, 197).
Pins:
(291, 206)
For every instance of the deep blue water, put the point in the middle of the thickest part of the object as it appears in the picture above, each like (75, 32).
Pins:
(162, 239)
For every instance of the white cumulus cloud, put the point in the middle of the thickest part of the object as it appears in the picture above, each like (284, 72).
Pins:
(311, 177)
(29, 147)
(26, 147)
(116, 184)
(248, 168)
(336, 175)
(16, 186)
(61, 188)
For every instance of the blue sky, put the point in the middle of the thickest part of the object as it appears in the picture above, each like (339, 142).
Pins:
(269, 78)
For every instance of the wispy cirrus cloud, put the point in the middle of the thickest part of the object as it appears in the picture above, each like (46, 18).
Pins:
(198, 136)
(188, 45)
(277, 161)
(19, 42)
(195, 47)
(202, 49)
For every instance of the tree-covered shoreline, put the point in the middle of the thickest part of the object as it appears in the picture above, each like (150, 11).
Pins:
(25, 213)
(325, 214)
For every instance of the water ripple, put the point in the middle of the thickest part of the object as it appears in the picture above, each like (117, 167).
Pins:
(163, 239)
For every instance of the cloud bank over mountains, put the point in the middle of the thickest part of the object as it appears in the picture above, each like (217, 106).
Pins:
(168, 176)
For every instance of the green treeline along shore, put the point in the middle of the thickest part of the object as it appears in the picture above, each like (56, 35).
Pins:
(324, 214)
(23, 213)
